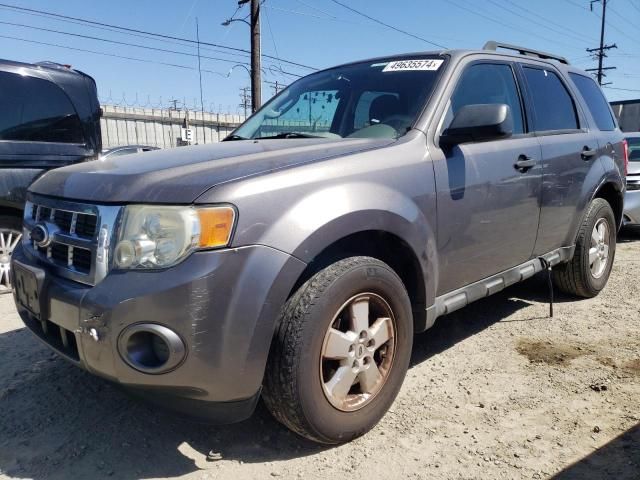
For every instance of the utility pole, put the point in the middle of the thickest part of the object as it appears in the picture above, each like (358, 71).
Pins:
(600, 51)
(245, 98)
(256, 91)
(204, 135)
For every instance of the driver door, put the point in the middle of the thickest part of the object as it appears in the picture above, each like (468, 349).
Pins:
(488, 210)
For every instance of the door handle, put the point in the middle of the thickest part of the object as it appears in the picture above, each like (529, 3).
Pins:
(524, 163)
(588, 153)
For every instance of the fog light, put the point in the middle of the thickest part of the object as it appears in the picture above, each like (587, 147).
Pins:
(151, 348)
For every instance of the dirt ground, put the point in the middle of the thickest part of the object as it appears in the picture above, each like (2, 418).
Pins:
(497, 390)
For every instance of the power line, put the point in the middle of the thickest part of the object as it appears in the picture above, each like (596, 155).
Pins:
(154, 34)
(107, 29)
(117, 42)
(273, 39)
(316, 9)
(577, 35)
(186, 67)
(506, 25)
(387, 25)
(536, 22)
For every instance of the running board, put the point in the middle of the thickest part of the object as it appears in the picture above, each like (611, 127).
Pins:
(452, 301)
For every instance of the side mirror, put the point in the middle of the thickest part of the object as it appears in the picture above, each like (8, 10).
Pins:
(477, 123)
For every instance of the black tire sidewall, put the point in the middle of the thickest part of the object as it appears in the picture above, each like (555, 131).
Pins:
(324, 419)
(601, 210)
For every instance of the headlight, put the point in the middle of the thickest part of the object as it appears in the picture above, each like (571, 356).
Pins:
(154, 236)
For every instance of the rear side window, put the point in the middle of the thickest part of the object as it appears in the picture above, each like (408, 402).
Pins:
(554, 107)
(595, 101)
(36, 110)
(488, 83)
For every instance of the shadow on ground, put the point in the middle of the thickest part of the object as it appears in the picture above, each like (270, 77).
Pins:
(61, 422)
(629, 235)
(619, 459)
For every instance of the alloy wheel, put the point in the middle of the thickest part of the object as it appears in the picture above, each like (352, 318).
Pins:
(358, 352)
(8, 241)
(599, 251)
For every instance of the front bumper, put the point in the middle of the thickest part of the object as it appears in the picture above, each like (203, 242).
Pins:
(632, 207)
(223, 305)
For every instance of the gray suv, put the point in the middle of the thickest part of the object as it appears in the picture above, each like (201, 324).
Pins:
(296, 260)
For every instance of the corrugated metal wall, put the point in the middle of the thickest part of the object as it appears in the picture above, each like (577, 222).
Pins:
(628, 114)
(161, 127)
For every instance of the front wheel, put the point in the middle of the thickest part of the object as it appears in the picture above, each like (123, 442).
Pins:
(587, 272)
(341, 351)
(10, 235)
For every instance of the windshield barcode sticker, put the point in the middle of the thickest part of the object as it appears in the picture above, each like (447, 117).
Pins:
(407, 65)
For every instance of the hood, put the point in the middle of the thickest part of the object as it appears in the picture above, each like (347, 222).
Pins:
(181, 175)
(634, 167)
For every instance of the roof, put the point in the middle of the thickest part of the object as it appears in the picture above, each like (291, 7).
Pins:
(490, 49)
(49, 67)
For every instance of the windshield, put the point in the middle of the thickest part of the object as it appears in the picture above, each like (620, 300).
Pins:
(364, 100)
(634, 149)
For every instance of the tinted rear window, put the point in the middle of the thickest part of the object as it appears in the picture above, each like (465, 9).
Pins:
(595, 101)
(36, 110)
(554, 107)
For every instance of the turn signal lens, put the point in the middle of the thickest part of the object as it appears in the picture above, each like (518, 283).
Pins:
(216, 226)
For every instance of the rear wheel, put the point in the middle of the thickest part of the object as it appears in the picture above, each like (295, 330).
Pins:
(589, 269)
(341, 351)
(10, 235)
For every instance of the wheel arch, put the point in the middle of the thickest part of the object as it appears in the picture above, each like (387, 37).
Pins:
(387, 247)
(611, 191)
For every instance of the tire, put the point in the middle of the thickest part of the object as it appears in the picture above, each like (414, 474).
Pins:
(10, 233)
(577, 277)
(295, 388)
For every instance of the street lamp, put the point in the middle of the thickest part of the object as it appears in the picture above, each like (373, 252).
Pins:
(254, 27)
(228, 22)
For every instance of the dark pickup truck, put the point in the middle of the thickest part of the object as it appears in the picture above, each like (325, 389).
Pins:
(296, 260)
(50, 118)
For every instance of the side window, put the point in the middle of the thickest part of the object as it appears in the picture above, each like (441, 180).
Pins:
(595, 100)
(368, 106)
(36, 110)
(553, 104)
(488, 83)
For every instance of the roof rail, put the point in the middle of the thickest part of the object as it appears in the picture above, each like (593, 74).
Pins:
(494, 46)
(50, 64)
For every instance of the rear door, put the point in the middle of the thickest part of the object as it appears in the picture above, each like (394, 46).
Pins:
(569, 154)
(488, 209)
(611, 150)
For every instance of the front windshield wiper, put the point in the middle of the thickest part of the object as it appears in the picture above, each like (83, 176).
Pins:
(292, 135)
(234, 137)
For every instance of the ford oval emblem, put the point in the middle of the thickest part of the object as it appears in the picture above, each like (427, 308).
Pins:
(40, 235)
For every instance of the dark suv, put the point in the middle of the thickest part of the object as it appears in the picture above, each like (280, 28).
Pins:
(296, 259)
(50, 118)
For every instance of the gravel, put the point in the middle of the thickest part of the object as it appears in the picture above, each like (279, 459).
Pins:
(497, 390)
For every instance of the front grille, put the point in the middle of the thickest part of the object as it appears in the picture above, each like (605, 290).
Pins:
(82, 259)
(80, 235)
(84, 225)
(73, 224)
(58, 337)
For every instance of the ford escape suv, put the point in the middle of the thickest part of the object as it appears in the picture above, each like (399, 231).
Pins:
(296, 259)
(50, 118)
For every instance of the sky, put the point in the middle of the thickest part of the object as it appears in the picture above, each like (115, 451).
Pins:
(313, 33)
